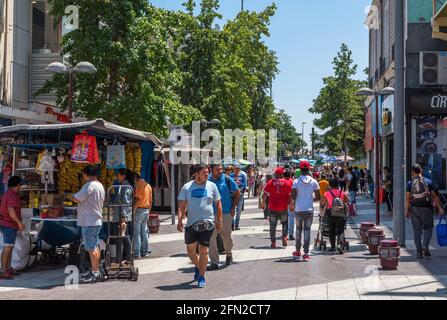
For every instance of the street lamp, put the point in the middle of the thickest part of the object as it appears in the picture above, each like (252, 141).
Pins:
(302, 136)
(388, 91)
(81, 67)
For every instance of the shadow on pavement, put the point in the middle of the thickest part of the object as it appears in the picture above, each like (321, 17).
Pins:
(182, 286)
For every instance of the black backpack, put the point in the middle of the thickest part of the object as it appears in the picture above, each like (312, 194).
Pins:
(228, 182)
(420, 193)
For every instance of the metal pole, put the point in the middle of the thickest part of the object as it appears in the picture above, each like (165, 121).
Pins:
(313, 143)
(377, 141)
(399, 128)
(171, 158)
(242, 5)
(70, 95)
(302, 137)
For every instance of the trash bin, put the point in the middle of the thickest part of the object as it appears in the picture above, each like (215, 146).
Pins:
(154, 223)
(364, 227)
(374, 237)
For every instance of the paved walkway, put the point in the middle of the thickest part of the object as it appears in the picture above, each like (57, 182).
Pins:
(259, 272)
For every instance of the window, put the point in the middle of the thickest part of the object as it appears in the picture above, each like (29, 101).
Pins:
(46, 29)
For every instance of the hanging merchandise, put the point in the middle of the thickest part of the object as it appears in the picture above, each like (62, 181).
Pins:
(46, 165)
(116, 157)
(70, 176)
(85, 149)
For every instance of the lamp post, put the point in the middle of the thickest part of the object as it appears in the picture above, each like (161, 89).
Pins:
(302, 136)
(81, 67)
(384, 92)
(242, 5)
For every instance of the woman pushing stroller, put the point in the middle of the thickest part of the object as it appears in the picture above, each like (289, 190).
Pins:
(334, 204)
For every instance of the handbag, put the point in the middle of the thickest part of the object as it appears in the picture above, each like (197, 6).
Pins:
(85, 149)
(202, 226)
(441, 232)
(116, 157)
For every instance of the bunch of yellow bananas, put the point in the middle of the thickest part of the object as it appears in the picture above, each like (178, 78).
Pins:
(137, 155)
(33, 199)
(69, 176)
(106, 175)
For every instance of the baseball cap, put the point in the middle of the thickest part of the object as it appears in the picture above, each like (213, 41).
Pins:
(297, 173)
(304, 165)
(279, 170)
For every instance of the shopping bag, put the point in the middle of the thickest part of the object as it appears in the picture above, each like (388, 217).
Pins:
(85, 149)
(441, 232)
(116, 157)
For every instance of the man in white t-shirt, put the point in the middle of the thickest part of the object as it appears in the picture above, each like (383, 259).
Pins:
(303, 191)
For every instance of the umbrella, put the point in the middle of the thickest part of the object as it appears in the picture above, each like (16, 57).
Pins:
(330, 159)
(245, 162)
(295, 161)
(342, 158)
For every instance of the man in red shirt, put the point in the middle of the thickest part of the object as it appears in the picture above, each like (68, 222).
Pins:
(279, 191)
(10, 224)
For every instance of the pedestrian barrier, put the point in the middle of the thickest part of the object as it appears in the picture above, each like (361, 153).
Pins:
(374, 237)
(389, 253)
(364, 227)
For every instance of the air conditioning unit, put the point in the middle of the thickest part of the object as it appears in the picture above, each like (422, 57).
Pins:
(433, 68)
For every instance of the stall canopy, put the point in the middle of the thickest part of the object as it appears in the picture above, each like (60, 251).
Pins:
(99, 127)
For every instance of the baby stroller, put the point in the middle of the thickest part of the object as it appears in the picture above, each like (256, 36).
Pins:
(323, 232)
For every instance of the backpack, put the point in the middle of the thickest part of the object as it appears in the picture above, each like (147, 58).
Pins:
(338, 206)
(228, 182)
(420, 193)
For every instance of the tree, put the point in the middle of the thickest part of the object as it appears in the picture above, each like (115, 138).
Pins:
(341, 112)
(288, 138)
(137, 70)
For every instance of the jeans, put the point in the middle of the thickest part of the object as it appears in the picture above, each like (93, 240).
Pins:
(141, 233)
(352, 197)
(422, 219)
(304, 221)
(371, 190)
(239, 206)
(274, 217)
(291, 222)
(389, 200)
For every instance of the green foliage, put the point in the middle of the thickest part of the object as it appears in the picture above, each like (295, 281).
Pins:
(341, 112)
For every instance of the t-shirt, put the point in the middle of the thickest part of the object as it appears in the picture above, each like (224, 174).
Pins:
(389, 178)
(305, 186)
(200, 199)
(353, 182)
(91, 197)
(223, 185)
(323, 187)
(143, 195)
(337, 193)
(279, 194)
(242, 178)
(10, 200)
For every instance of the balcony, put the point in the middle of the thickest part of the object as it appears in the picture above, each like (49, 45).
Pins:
(39, 76)
(439, 20)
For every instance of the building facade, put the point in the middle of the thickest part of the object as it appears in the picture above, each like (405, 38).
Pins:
(426, 85)
(29, 41)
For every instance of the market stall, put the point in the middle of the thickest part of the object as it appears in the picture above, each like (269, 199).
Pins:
(50, 160)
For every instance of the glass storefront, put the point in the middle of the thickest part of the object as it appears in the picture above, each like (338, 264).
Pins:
(431, 149)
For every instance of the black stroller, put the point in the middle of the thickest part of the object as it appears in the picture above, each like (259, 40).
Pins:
(323, 232)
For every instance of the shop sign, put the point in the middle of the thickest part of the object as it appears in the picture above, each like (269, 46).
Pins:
(426, 101)
(60, 116)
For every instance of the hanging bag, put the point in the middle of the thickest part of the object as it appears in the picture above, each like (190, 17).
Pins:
(116, 157)
(441, 232)
(85, 149)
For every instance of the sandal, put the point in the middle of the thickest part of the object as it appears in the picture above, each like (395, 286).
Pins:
(13, 272)
(6, 276)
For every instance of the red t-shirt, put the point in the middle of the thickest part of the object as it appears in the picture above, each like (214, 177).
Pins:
(10, 200)
(279, 191)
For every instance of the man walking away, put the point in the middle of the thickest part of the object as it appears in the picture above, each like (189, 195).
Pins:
(342, 178)
(279, 191)
(90, 200)
(198, 196)
(388, 183)
(240, 178)
(421, 200)
(352, 186)
(142, 207)
(230, 194)
(303, 191)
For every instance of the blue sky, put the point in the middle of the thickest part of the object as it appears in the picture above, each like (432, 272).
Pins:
(306, 35)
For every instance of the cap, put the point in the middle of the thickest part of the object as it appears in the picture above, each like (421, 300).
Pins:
(304, 165)
(297, 173)
(279, 171)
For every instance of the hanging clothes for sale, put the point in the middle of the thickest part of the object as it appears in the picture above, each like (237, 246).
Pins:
(147, 160)
(160, 174)
(85, 149)
(45, 168)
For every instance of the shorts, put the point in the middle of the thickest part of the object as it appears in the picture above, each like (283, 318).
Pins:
(90, 236)
(203, 238)
(9, 236)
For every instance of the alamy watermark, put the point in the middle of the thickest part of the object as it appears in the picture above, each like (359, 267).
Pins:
(372, 21)
(236, 143)
(70, 21)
